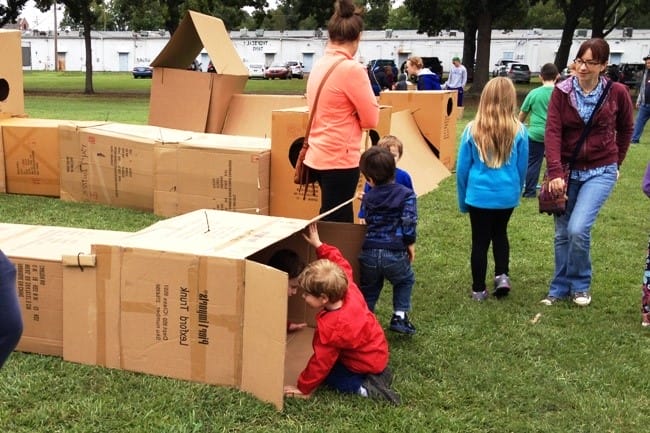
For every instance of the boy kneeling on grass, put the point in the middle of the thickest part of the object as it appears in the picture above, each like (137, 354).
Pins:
(350, 348)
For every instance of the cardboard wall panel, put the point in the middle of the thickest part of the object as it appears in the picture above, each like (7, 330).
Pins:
(12, 100)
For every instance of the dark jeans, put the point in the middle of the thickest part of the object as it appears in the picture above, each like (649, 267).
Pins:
(459, 100)
(11, 324)
(489, 226)
(336, 187)
(344, 380)
(377, 264)
(535, 157)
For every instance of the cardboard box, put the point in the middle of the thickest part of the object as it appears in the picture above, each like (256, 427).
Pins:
(191, 298)
(31, 155)
(194, 100)
(289, 126)
(37, 252)
(252, 114)
(435, 114)
(12, 99)
(288, 200)
(211, 171)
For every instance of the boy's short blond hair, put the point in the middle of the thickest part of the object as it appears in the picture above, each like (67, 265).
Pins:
(324, 277)
(389, 141)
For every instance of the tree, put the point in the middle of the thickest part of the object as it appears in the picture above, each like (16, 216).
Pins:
(401, 18)
(573, 10)
(376, 16)
(10, 12)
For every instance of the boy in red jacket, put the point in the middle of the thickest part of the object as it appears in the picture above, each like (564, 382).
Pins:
(350, 348)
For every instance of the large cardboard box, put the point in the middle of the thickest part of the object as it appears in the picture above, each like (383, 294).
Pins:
(191, 298)
(435, 114)
(252, 114)
(288, 128)
(31, 155)
(212, 171)
(12, 100)
(38, 253)
(195, 100)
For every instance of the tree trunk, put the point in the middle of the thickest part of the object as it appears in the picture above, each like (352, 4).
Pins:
(572, 14)
(484, 26)
(469, 49)
(89, 59)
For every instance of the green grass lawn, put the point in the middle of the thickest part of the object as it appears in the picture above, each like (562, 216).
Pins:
(471, 367)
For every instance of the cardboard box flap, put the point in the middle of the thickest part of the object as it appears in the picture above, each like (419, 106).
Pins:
(215, 233)
(264, 336)
(197, 31)
(147, 132)
(418, 159)
(244, 108)
(227, 143)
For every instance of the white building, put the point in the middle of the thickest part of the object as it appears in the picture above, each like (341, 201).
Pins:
(121, 51)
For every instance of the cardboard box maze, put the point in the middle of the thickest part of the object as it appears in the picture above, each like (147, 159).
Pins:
(191, 298)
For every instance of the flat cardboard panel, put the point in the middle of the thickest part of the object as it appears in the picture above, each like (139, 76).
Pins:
(180, 99)
(223, 87)
(3, 184)
(12, 99)
(435, 114)
(264, 333)
(252, 114)
(31, 156)
(212, 171)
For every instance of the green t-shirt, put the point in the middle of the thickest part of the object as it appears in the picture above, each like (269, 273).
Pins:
(536, 105)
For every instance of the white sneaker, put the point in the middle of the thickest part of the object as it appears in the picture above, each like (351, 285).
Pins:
(582, 298)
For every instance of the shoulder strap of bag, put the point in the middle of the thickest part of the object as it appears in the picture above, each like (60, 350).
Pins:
(587, 127)
(320, 87)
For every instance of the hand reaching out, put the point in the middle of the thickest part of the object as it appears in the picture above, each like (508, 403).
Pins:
(311, 236)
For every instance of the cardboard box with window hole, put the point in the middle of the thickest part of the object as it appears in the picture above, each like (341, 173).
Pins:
(12, 100)
(39, 255)
(289, 126)
(435, 115)
(192, 298)
(168, 171)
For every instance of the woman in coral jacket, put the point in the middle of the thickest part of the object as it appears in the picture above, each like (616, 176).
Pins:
(596, 168)
(346, 106)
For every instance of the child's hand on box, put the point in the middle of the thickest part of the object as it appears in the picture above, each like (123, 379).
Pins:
(292, 391)
(293, 327)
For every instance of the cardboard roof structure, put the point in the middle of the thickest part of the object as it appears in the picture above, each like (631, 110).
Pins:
(195, 32)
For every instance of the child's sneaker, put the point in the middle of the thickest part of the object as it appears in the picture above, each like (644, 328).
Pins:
(501, 286)
(402, 325)
(645, 321)
(582, 298)
(378, 390)
(480, 296)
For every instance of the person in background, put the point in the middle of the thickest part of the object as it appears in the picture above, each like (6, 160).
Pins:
(401, 83)
(642, 103)
(536, 105)
(288, 261)
(490, 173)
(645, 288)
(426, 79)
(350, 348)
(457, 79)
(346, 106)
(595, 170)
(11, 323)
(389, 78)
(389, 246)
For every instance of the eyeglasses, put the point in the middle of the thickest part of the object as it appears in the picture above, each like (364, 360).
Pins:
(589, 63)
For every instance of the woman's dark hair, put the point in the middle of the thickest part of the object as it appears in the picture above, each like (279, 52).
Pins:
(346, 23)
(599, 49)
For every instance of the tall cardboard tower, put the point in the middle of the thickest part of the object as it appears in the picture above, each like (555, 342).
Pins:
(12, 101)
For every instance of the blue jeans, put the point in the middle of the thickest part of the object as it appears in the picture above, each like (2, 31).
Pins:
(11, 324)
(344, 380)
(641, 118)
(535, 157)
(377, 264)
(588, 191)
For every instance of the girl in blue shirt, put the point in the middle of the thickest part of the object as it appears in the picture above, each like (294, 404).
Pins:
(490, 174)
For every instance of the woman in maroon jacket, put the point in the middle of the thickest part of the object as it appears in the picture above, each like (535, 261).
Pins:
(595, 170)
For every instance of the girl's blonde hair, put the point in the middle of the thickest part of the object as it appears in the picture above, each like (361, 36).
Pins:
(324, 277)
(495, 126)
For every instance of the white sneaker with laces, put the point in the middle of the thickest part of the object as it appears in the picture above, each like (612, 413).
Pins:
(582, 298)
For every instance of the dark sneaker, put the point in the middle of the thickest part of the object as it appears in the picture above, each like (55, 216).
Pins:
(501, 286)
(379, 390)
(480, 296)
(386, 376)
(403, 326)
(550, 300)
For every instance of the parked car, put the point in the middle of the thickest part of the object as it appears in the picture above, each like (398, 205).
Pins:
(142, 72)
(500, 68)
(277, 70)
(631, 74)
(211, 67)
(296, 69)
(519, 73)
(256, 70)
